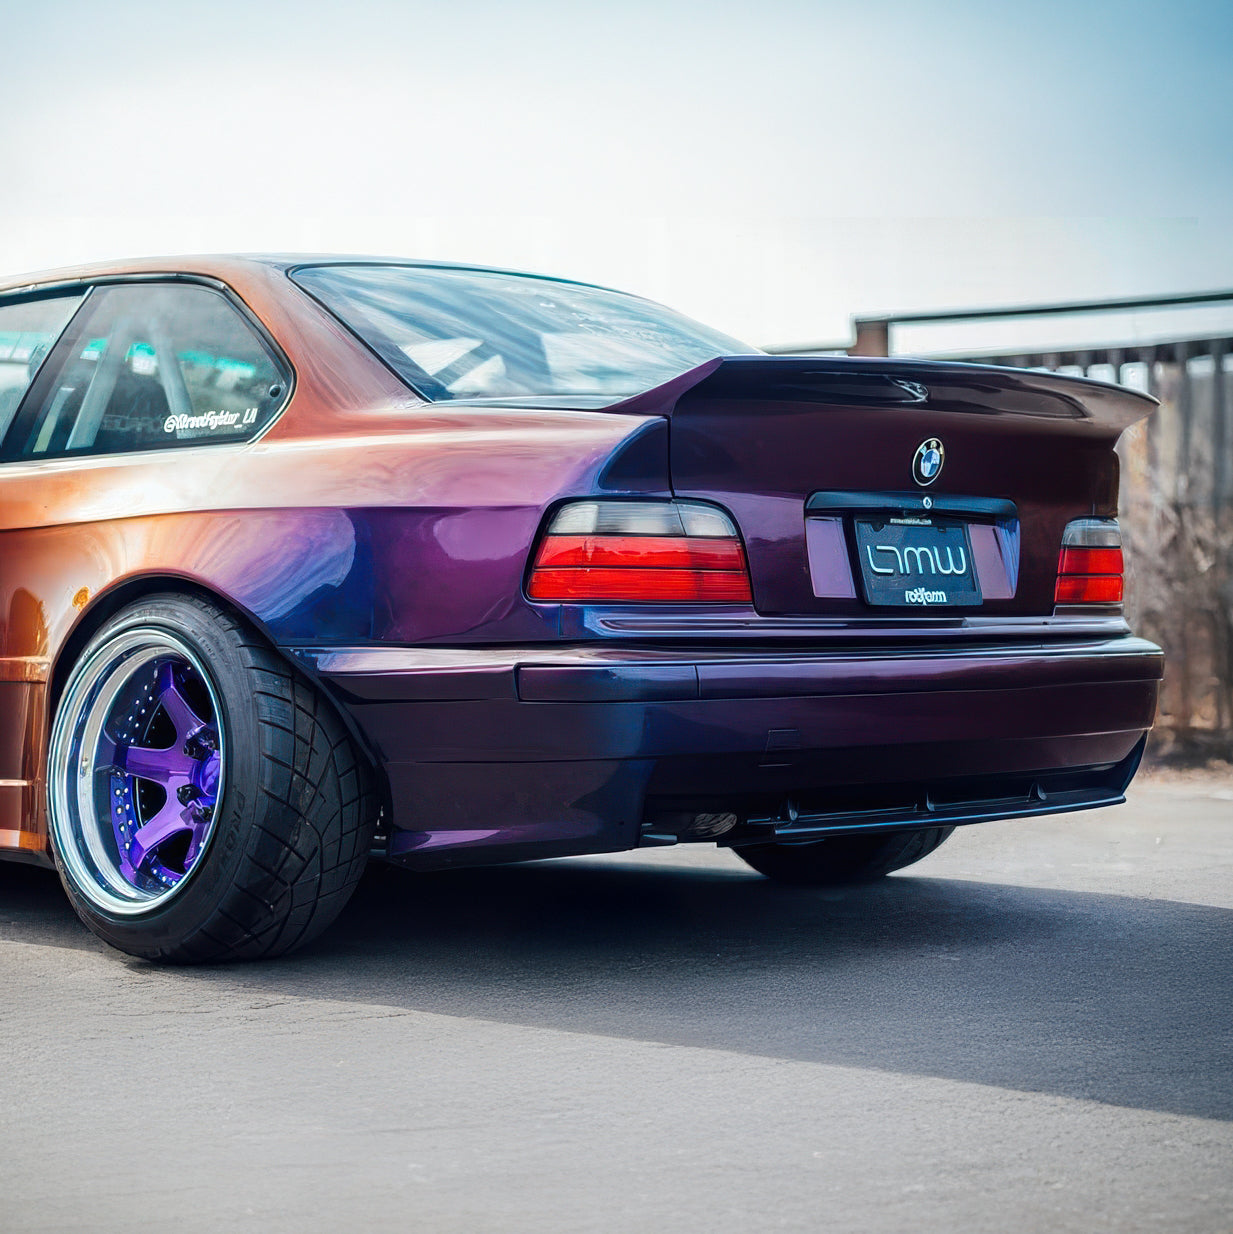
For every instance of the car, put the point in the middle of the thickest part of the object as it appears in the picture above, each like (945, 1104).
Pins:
(307, 561)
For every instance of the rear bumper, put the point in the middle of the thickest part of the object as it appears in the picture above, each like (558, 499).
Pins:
(500, 754)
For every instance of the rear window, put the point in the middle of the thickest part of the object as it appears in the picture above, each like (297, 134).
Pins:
(465, 334)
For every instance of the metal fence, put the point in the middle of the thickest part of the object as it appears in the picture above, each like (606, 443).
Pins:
(1176, 496)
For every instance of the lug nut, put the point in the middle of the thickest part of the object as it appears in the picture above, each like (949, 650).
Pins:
(201, 744)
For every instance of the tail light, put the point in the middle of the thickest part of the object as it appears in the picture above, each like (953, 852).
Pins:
(673, 551)
(1089, 570)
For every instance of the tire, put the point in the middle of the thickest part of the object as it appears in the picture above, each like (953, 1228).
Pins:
(845, 859)
(206, 802)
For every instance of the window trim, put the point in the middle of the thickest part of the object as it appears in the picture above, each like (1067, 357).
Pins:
(286, 370)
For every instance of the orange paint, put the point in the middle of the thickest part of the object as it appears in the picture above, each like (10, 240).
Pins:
(29, 841)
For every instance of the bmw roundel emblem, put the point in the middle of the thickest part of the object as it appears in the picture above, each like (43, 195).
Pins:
(927, 465)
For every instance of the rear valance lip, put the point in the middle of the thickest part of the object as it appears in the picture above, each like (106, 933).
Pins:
(949, 386)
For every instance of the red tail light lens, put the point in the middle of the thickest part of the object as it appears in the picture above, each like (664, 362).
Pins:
(677, 552)
(1090, 567)
(1088, 589)
(1090, 561)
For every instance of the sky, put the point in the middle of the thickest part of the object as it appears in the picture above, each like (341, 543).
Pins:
(771, 168)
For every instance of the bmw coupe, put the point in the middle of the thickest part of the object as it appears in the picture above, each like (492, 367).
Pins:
(309, 561)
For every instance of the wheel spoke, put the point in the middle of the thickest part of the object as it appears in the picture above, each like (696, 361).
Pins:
(172, 819)
(199, 828)
(178, 709)
(162, 766)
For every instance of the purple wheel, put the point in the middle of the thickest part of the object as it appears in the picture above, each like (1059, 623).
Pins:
(137, 770)
(205, 800)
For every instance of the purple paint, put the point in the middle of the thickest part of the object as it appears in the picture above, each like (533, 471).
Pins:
(382, 541)
(829, 569)
(187, 772)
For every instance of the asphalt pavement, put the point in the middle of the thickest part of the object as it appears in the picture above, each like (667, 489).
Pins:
(1030, 1030)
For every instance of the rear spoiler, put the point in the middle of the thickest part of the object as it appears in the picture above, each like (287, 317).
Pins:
(943, 385)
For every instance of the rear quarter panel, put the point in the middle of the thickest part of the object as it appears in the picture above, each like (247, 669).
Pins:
(363, 514)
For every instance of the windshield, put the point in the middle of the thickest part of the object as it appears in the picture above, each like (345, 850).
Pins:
(454, 334)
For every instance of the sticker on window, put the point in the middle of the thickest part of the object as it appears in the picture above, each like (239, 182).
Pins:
(210, 421)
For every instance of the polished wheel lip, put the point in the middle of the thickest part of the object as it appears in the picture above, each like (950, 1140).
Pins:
(84, 841)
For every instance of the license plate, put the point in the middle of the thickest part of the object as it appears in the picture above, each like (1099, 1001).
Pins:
(916, 563)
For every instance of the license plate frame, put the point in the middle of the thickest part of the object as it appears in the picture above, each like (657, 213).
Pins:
(912, 563)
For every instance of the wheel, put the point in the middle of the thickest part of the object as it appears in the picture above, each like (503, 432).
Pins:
(206, 802)
(845, 859)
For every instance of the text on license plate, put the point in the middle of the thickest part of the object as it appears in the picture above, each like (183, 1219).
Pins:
(916, 563)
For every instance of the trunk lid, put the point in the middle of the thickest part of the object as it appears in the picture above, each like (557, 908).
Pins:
(801, 449)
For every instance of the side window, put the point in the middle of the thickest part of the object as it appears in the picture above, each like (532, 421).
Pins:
(149, 366)
(28, 328)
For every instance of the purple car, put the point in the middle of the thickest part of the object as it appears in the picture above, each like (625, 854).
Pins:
(306, 561)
